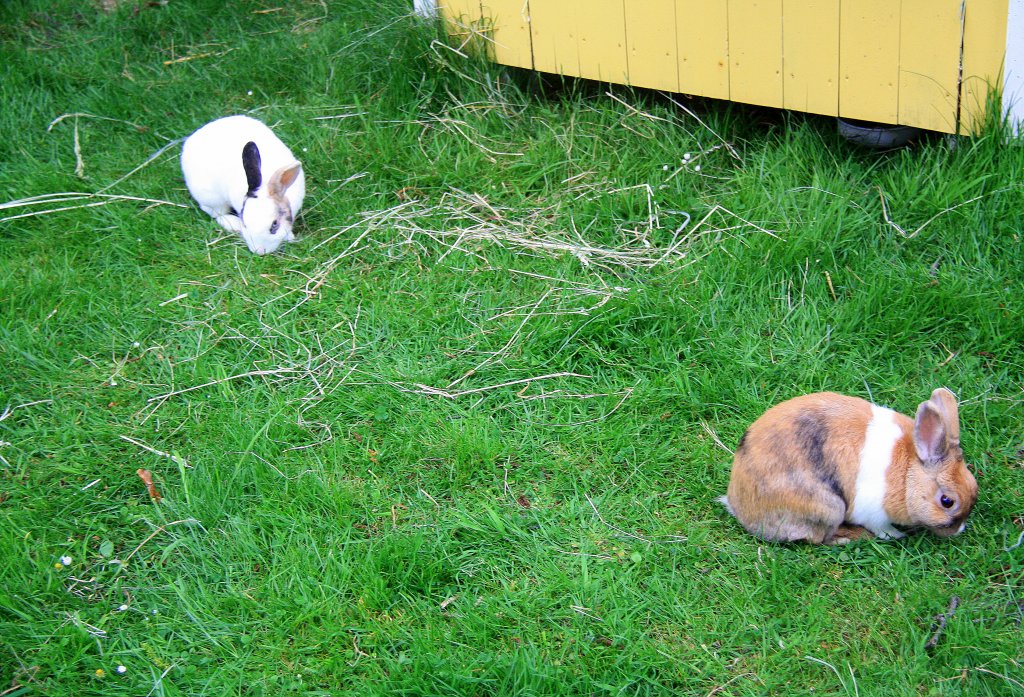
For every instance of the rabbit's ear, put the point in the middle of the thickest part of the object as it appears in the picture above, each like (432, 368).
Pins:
(283, 178)
(946, 403)
(251, 165)
(931, 437)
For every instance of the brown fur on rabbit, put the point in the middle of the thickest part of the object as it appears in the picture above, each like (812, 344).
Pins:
(827, 468)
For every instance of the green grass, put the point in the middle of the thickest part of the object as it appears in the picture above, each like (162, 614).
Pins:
(330, 524)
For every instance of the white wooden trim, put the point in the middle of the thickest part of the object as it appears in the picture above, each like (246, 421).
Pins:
(425, 8)
(1013, 68)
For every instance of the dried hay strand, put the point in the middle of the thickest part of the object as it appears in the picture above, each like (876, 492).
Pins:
(93, 200)
(29, 207)
(469, 224)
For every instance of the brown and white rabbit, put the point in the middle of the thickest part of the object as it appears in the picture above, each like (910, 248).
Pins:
(827, 468)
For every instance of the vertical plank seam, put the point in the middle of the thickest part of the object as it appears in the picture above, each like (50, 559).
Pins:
(839, 64)
(675, 35)
(524, 14)
(480, 26)
(782, 52)
(728, 53)
(578, 37)
(625, 43)
(960, 69)
(899, 59)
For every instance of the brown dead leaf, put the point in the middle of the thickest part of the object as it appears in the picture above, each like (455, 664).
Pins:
(408, 193)
(523, 501)
(147, 478)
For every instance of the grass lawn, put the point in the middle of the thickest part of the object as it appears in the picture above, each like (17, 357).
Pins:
(465, 437)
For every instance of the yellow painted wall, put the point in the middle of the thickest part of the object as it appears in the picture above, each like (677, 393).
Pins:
(893, 61)
(929, 63)
(553, 32)
(601, 39)
(755, 51)
(651, 38)
(508, 32)
(869, 50)
(810, 50)
(984, 47)
(462, 19)
(702, 40)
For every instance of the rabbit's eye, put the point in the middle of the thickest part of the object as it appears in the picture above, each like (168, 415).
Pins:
(273, 227)
(946, 501)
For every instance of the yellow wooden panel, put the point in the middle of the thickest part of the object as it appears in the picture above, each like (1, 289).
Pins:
(929, 63)
(984, 48)
(553, 31)
(601, 39)
(755, 52)
(651, 36)
(508, 21)
(702, 41)
(869, 49)
(462, 19)
(810, 55)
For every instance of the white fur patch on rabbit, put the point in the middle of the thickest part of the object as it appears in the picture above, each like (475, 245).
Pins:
(879, 441)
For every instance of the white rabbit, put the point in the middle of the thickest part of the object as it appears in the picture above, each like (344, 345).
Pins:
(243, 176)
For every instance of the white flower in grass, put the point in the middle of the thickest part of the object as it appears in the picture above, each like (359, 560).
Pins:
(696, 168)
(122, 670)
(66, 560)
(122, 608)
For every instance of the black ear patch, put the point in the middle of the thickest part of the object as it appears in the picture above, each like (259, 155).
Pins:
(251, 165)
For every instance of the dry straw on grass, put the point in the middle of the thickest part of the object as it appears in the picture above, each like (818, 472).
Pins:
(468, 223)
(457, 225)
